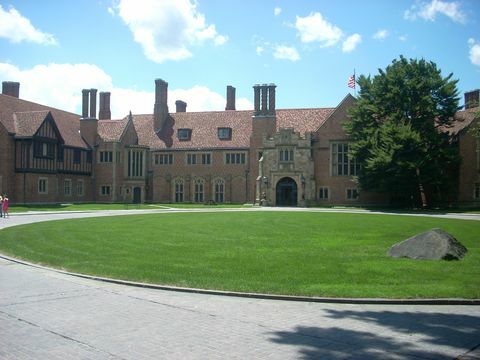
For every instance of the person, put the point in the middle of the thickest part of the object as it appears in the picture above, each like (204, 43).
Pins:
(1, 206)
(5, 204)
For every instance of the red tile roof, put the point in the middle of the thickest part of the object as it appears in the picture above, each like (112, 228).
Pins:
(112, 130)
(67, 123)
(205, 125)
(27, 123)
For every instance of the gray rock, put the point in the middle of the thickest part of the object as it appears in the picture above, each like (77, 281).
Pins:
(434, 244)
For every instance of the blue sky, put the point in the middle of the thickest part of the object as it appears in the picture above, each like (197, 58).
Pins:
(307, 48)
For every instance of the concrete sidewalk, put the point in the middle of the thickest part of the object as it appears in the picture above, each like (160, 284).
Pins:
(47, 315)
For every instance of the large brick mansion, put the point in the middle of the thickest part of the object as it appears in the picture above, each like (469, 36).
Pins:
(274, 156)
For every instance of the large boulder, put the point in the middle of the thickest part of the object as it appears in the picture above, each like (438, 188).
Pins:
(434, 244)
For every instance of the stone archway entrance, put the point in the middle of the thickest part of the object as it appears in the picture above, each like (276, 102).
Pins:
(137, 195)
(286, 192)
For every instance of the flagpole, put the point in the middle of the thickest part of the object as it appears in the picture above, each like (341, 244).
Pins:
(355, 82)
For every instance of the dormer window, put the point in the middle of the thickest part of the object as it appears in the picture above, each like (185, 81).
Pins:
(184, 134)
(224, 133)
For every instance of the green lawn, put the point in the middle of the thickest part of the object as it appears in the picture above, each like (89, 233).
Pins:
(99, 206)
(317, 254)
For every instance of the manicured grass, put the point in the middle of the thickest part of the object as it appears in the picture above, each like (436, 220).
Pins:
(97, 206)
(317, 254)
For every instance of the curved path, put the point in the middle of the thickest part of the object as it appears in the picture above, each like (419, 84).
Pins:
(49, 315)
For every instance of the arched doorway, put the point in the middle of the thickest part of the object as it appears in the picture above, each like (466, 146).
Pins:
(286, 192)
(137, 195)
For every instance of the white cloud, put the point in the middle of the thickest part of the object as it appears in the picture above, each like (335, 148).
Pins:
(314, 28)
(286, 53)
(57, 85)
(277, 11)
(259, 50)
(66, 81)
(474, 51)
(17, 28)
(381, 34)
(351, 43)
(111, 11)
(167, 29)
(403, 37)
(429, 10)
(201, 98)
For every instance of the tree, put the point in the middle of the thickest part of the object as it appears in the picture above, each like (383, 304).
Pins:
(397, 128)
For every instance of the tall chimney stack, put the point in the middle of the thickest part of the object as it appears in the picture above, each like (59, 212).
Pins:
(472, 99)
(230, 98)
(93, 103)
(104, 112)
(181, 106)
(11, 88)
(85, 95)
(160, 110)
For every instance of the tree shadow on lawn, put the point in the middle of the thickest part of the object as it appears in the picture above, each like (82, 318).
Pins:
(459, 332)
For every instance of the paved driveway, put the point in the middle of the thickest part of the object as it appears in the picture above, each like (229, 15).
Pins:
(48, 315)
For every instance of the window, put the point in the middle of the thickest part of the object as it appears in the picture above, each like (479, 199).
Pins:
(105, 190)
(43, 149)
(341, 163)
(235, 158)
(179, 190)
(198, 191)
(80, 188)
(60, 153)
(89, 156)
(352, 194)
(43, 186)
(106, 156)
(118, 157)
(476, 193)
(191, 159)
(219, 190)
(67, 187)
(163, 159)
(204, 159)
(135, 166)
(184, 134)
(224, 133)
(323, 193)
(76, 156)
(286, 155)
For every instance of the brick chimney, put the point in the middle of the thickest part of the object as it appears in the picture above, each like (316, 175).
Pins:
(230, 98)
(85, 96)
(93, 103)
(89, 124)
(181, 106)
(104, 112)
(160, 110)
(264, 100)
(11, 88)
(472, 99)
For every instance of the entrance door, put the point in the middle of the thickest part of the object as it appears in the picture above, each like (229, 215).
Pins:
(286, 192)
(137, 195)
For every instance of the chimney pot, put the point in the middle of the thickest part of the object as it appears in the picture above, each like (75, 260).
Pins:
(85, 94)
(472, 99)
(93, 103)
(230, 98)
(160, 109)
(181, 106)
(11, 88)
(104, 113)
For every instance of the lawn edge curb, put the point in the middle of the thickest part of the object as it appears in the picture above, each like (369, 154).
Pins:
(372, 301)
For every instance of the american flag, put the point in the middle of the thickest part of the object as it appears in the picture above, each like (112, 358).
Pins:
(351, 81)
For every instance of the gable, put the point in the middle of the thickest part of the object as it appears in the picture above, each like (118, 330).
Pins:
(332, 128)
